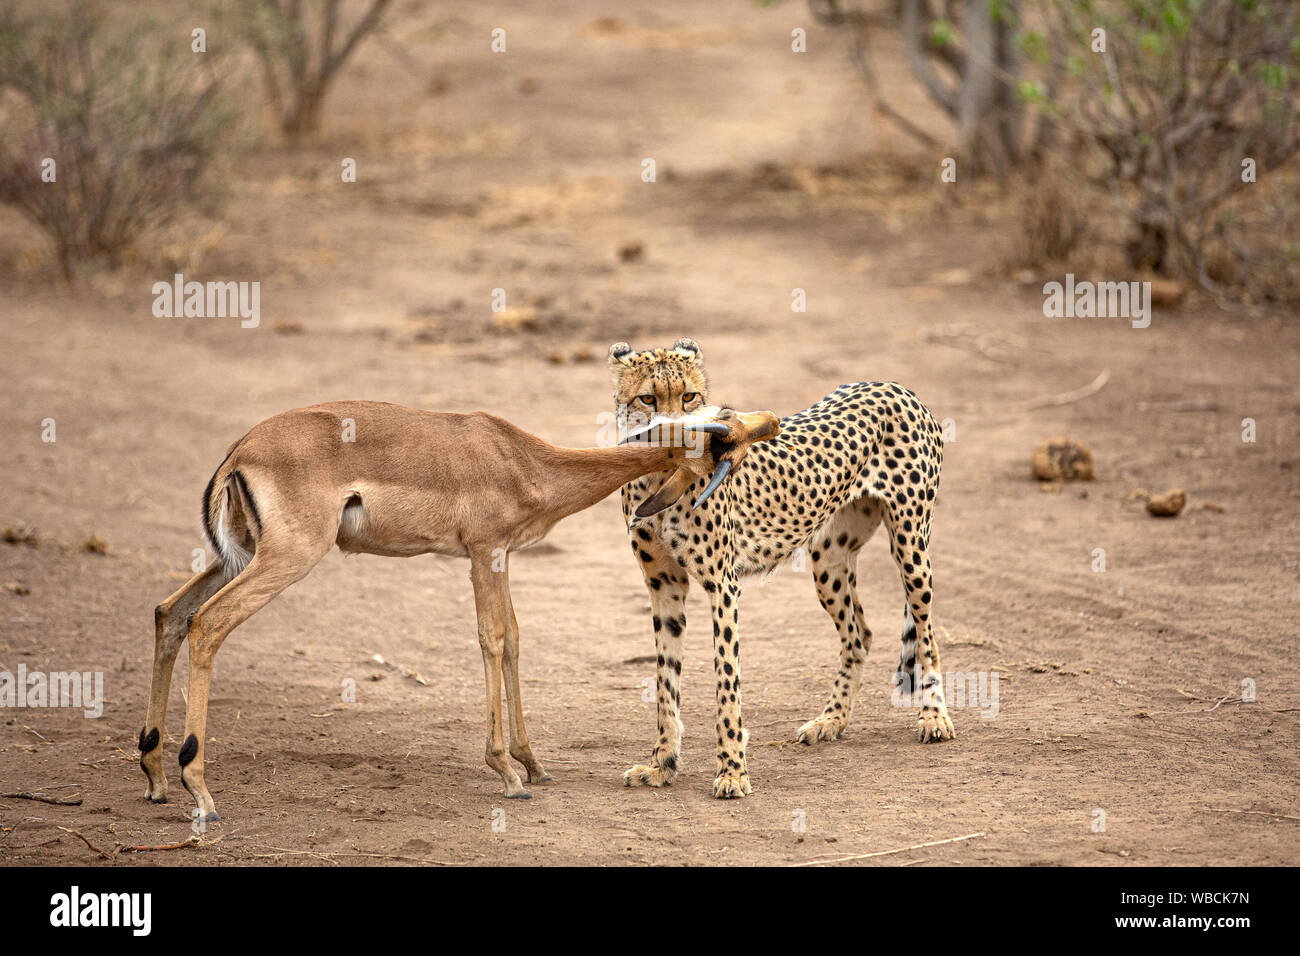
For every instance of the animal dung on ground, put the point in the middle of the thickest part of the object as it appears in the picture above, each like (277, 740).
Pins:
(577, 356)
(1167, 505)
(513, 319)
(23, 534)
(1060, 459)
(1165, 293)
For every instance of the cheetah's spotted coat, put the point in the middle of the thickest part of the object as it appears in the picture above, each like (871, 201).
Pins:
(866, 453)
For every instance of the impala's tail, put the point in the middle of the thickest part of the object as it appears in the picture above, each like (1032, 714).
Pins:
(230, 518)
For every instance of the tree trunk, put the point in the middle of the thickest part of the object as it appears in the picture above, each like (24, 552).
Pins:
(979, 88)
(303, 121)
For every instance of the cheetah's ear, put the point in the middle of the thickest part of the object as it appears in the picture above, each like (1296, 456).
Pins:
(688, 348)
(619, 353)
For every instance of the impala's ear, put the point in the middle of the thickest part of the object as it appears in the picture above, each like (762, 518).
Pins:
(732, 430)
(668, 493)
(755, 426)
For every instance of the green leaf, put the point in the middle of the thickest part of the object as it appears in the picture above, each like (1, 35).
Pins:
(1030, 91)
(942, 33)
(1273, 75)
(1034, 45)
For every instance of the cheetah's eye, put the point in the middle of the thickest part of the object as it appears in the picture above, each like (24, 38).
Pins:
(646, 400)
(689, 397)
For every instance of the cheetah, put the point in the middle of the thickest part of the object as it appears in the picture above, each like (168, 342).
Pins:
(866, 453)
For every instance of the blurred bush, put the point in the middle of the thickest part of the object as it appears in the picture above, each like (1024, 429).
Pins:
(1051, 220)
(1185, 121)
(967, 57)
(1175, 120)
(300, 48)
(129, 115)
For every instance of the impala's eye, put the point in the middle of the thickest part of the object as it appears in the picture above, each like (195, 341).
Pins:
(646, 400)
(690, 397)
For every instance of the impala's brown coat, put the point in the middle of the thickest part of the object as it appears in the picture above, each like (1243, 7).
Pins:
(389, 480)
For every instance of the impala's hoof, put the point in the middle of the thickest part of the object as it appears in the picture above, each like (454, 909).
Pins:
(521, 795)
(536, 772)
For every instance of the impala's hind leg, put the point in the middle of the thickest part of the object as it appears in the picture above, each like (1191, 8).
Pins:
(274, 567)
(170, 621)
(834, 553)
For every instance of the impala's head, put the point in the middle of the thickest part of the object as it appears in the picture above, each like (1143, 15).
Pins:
(707, 442)
(658, 381)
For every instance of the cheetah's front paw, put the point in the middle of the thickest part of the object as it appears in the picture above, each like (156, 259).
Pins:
(934, 726)
(643, 776)
(730, 785)
(823, 728)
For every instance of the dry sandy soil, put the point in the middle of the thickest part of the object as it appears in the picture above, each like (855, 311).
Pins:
(522, 172)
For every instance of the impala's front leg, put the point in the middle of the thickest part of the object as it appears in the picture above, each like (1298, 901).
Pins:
(668, 585)
(490, 603)
(520, 748)
(732, 778)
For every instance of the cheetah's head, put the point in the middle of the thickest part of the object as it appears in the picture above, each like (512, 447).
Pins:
(658, 381)
(667, 384)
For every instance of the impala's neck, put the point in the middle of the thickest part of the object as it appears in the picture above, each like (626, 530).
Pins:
(583, 476)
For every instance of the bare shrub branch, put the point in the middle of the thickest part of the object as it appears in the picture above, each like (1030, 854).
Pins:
(300, 53)
(1165, 117)
(129, 123)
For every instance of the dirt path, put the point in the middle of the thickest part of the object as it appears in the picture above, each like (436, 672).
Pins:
(383, 292)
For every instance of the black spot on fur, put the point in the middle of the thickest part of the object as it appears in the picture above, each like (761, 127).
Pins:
(207, 509)
(189, 750)
(248, 497)
(149, 742)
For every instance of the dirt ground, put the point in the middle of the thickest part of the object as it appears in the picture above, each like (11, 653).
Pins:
(523, 172)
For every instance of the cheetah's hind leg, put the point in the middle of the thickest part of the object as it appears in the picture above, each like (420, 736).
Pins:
(934, 724)
(919, 658)
(904, 679)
